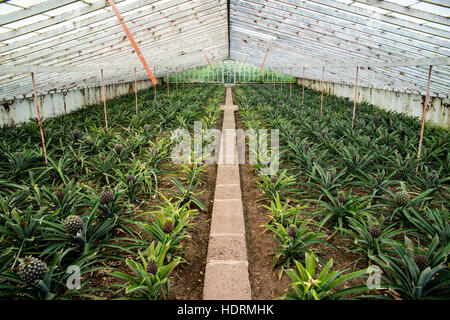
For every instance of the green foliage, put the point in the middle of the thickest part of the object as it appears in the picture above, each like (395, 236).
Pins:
(307, 285)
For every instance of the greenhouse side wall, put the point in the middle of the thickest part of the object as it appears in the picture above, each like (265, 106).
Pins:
(54, 104)
(411, 104)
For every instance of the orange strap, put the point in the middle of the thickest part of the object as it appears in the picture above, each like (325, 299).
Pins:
(206, 57)
(265, 57)
(133, 43)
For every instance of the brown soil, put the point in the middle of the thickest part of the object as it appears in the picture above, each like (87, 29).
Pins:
(263, 278)
(188, 278)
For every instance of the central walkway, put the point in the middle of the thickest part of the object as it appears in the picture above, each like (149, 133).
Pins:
(226, 274)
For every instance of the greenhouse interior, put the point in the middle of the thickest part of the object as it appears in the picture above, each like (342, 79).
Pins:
(224, 150)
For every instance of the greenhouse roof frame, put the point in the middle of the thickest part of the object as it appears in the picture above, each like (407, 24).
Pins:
(67, 42)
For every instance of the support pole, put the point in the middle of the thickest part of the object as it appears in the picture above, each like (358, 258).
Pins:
(425, 105)
(104, 102)
(39, 119)
(176, 79)
(135, 90)
(223, 73)
(234, 76)
(281, 81)
(273, 81)
(168, 89)
(354, 100)
(303, 83)
(154, 86)
(290, 82)
(321, 97)
(184, 75)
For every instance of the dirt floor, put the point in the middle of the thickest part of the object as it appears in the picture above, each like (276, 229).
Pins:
(188, 278)
(263, 278)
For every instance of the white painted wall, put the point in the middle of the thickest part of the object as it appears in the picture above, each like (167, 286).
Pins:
(54, 104)
(438, 110)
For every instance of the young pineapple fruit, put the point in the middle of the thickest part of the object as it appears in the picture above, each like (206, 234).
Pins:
(402, 197)
(130, 179)
(375, 232)
(32, 269)
(422, 262)
(152, 267)
(76, 134)
(118, 148)
(168, 227)
(89, 141)
(73, 224)
(59, 194)
(291, 231)
(106, 197)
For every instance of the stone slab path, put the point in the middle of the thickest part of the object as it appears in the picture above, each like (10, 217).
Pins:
(226, 274)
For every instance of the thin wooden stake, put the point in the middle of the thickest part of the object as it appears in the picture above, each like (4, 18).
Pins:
(168, 89)
(303, 84)
(354, 100)
(425, 105)
(290, 83)
(154, 86)
(281, 82)
(176, 79)
(184, 74)
(273, 81)
(104, 102)
(135, 90)
(39, 119)
(321, 97)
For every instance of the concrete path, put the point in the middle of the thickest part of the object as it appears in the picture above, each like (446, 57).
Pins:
(226, 274)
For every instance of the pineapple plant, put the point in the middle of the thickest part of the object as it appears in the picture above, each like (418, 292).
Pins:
(32, 269)
(73, 224)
